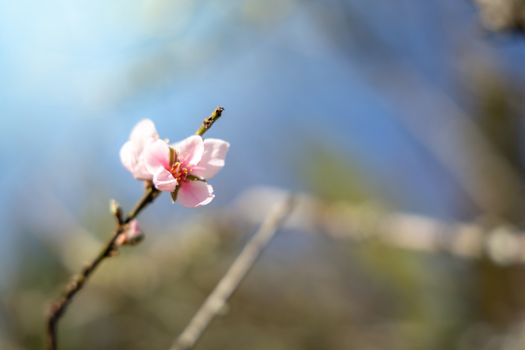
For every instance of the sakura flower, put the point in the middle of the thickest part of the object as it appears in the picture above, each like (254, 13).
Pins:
(132, 152)
(183, 168)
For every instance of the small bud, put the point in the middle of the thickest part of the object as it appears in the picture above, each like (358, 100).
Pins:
(131, 235)
(115, 209)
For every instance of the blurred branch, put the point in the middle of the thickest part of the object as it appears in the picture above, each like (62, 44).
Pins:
(503, 15)
(341, 220)
(432, 117)
(234, 276)
(481, 165)
(77, 282)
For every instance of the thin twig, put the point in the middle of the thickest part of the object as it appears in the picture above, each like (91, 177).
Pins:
(77, 282)
(59, 307)
(210, 120)
(233, 277)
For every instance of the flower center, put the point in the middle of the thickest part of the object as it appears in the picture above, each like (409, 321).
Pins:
(180, 172)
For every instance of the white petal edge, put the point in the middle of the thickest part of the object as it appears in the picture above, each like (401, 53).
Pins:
(212, 161)
(190, 150)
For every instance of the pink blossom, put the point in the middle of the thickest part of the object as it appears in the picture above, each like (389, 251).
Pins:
(183, 168)
(132, 152)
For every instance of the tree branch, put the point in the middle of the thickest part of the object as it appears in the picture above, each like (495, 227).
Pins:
(233, 277)
(77, 282)
(502, 244)
(209, 121)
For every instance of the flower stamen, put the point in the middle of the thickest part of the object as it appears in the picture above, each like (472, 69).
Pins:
(180, 172)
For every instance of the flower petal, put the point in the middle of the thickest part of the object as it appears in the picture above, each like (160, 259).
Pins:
(131, 158)
(195, 193)
(190, 150)
(131, 153)
(212, 161)
(157, 156)
(164, 181)
(143, 131)
(128, 156)
(141, 173)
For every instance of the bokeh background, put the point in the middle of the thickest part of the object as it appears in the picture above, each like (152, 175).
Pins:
(380, 107)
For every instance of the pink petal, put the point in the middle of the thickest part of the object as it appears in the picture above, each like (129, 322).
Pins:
(132, 160)
(128, 156)
(141, 173)
(195, 193)
(142, 132)
(164, 181)
(190, 150)
(157, 156)
(131, 153)
(212, 161)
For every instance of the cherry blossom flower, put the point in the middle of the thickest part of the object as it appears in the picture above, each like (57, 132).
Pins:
(183, 168)
(132, 152)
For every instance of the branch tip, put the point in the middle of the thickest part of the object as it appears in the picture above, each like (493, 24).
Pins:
(208, 122)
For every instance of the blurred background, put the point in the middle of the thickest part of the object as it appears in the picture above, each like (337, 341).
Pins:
(399, 124)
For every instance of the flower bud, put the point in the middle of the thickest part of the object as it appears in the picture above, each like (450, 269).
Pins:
(131, 235)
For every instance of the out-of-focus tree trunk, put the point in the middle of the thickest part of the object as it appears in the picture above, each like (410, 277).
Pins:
(501, 302)
(503, 15)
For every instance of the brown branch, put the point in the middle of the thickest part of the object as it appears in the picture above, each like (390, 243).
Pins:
(77, 282)
(233, 277)
(210, 120)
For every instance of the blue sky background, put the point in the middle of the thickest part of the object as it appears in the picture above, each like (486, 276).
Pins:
(76, 76)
